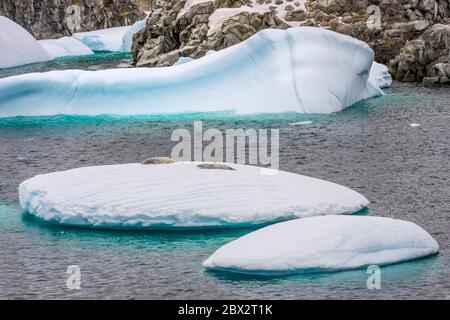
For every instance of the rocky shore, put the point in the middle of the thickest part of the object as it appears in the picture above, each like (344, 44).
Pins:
(411, 36)
(51, 19)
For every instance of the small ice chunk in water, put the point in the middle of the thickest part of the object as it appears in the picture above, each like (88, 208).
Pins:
(301, 123)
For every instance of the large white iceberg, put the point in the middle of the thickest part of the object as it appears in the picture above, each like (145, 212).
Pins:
(18, 46)
(307, 70)
(329, 243)
(180, 195)
(65, 47)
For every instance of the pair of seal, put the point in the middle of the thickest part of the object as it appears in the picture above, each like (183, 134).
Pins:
(208, 166)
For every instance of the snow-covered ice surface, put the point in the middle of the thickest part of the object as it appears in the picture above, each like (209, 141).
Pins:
(328, 243)
(180, 195)
(380, 76)
(17, 46)
(65, 47)
(110, 39)
(306, 70)
(127, 38)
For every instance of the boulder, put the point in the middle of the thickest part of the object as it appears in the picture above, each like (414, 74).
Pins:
(425, 57)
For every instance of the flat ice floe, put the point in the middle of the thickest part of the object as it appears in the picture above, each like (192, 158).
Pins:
(180, 195)
(17, 46)
(329, 243)
(307, 70)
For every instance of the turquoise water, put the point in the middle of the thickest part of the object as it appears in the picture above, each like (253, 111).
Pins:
(98, 61)
(167, 265)
(370, 147)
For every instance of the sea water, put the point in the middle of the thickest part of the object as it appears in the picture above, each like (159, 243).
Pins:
(371, 147)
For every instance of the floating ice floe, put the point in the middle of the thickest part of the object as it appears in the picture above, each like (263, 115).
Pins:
(307, 70)
(380, 76)
(17, 46)
(181, 195)
(65, 47)
(329, 243)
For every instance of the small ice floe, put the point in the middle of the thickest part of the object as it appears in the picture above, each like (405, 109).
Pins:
(65, 47)
(415, 125)
(162, 195)
(301, 123)
(328, 243)
(110, 39)
(117, 39)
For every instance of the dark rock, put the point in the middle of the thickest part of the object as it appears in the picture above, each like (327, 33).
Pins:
(48, 19)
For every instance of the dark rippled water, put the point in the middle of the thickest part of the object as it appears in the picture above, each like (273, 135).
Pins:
(404, 171)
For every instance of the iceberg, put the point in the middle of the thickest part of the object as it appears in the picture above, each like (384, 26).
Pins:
(306, 70)
(330, 243)
(180, 195)
(65, 47)
(380, 76)
(18, 46)
(127, 38)
(110, 39)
